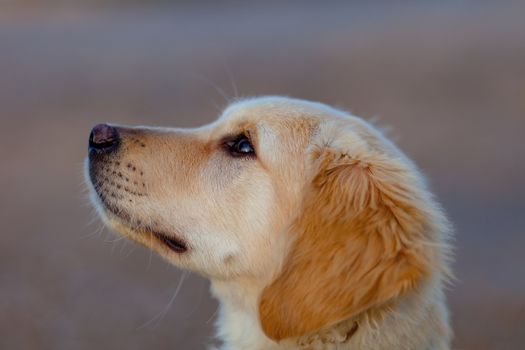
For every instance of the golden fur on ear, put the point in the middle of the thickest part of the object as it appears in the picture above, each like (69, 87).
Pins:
(359, 243)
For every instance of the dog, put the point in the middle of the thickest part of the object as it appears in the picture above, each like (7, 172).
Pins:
(315, 230)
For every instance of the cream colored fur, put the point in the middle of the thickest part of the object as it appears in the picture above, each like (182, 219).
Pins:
(326, 238)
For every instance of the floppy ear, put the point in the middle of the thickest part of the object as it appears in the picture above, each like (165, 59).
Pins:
(359, 243)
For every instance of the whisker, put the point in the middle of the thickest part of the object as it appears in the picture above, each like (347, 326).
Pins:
(232, 82)
(133, 247)
(199, 299)
(212, 315)
(114, 240)
(163, 312)
(123, 246)
(96, 232)
(150, 252)
(213, 85)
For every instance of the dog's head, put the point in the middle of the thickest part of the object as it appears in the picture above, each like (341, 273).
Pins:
(313, 201)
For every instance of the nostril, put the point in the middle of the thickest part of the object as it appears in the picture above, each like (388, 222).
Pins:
(103, 137)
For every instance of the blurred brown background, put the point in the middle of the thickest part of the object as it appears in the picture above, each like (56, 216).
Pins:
(447, 77)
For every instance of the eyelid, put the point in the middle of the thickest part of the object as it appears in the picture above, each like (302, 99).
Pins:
(235, 137)
(252, 137)
(230, 140)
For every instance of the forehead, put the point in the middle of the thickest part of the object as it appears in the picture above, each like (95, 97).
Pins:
(279, 108)
(273, 115)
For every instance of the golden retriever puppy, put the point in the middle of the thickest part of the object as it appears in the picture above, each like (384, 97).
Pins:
(315, 231)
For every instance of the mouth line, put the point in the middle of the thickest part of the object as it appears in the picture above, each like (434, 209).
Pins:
(173, 243)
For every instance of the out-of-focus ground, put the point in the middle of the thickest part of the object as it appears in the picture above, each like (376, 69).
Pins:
(448, 78)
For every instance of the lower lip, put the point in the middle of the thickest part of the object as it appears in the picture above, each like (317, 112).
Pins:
(174, 244)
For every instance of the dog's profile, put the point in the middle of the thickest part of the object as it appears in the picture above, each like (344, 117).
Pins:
(315, 231)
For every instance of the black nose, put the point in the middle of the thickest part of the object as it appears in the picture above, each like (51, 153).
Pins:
(103, 138)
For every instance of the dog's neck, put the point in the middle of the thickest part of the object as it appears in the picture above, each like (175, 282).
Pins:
(238, 325)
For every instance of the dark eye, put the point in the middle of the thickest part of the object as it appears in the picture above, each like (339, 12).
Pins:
(241, 146)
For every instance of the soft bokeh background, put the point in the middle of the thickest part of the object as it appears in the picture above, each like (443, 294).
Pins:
(447, 77)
